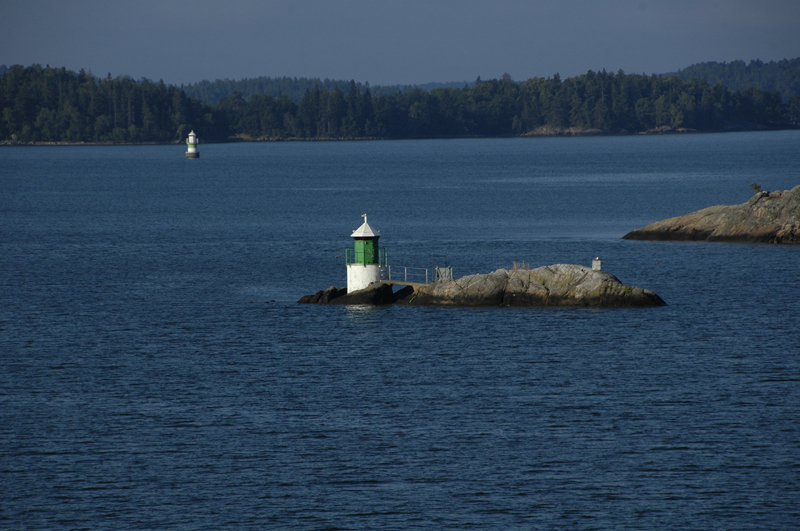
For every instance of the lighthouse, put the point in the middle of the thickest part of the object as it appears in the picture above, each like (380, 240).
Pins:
(365, 264)
(191, 149)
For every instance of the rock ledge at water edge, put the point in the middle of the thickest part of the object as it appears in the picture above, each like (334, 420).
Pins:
(768, 217)
(558, 285)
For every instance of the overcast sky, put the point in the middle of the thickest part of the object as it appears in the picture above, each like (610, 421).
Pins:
(392, 41)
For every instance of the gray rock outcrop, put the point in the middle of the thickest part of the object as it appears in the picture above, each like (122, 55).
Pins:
(553, 285)
(768, 217)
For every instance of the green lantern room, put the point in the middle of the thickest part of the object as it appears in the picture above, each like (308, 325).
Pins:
(366, 245)
(365, 261)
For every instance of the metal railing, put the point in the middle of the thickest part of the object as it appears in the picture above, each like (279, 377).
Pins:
(351, 256)
(417, 274)
(397, 273)
(442, 274)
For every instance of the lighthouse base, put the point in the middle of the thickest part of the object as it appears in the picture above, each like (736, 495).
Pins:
(359, 276)
(194, 155)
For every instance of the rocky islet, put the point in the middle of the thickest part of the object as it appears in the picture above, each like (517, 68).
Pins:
(558, 285)
(767, 217)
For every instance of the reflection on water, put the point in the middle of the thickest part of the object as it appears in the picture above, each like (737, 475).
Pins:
(363, 313)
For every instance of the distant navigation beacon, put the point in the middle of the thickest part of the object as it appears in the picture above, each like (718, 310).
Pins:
(191, 149)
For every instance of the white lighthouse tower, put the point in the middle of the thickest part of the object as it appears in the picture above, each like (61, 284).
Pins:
(191, 149)
(365, 264)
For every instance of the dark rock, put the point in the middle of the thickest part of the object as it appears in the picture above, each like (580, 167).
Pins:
(311, 299)
(324, 297)
(331, 294)
(374, 294)
(768, 217)
(402, 296)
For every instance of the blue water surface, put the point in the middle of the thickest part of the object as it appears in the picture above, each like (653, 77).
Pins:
(157, 373)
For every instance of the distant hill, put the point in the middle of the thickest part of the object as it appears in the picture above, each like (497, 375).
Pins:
(783, 75)
(211, 92)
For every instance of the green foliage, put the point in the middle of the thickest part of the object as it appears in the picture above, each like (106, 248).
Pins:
(782, 76)
(53, 104)
(212, 92)
(46, 104)
(756, 187)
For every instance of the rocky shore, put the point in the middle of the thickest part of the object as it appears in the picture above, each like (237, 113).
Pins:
(768, 217)
(558, 285)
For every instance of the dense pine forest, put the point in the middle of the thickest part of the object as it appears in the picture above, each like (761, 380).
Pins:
(783, 75)
(58, 105)
(212, 92)
(43, 104)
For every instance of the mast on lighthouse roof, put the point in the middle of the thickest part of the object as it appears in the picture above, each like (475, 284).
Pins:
(364, 264)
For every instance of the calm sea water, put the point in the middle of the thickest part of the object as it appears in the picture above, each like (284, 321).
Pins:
(156, 372)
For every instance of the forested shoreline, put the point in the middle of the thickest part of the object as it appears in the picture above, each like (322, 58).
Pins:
(43, 105)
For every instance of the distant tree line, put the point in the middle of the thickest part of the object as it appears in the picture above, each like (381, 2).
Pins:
(783, 75)
(294, 88)
(54, 104)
